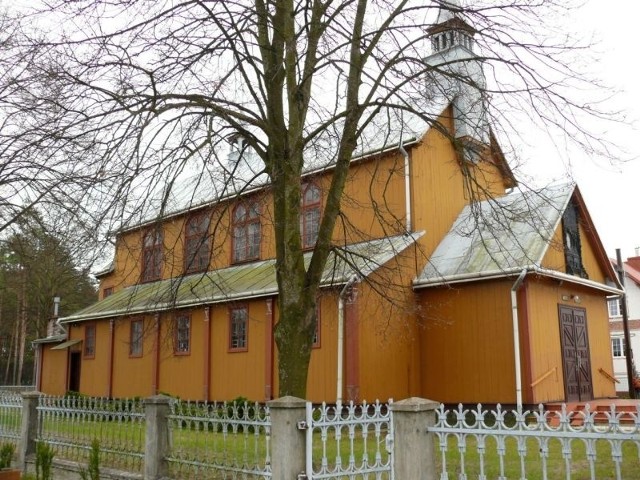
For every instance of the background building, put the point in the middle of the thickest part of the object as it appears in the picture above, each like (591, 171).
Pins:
(632, 288)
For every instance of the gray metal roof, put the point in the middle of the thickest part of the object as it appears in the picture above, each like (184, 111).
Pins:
(241, 281)
(388, 129)
(498, 236)
(51, 339)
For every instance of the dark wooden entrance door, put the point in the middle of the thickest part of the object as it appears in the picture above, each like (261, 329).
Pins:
(576, 359)
(74, 371)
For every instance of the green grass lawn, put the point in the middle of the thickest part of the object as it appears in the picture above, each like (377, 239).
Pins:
(556, 466)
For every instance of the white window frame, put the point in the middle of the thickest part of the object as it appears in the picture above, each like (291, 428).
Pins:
(615, 302)
(618, 345)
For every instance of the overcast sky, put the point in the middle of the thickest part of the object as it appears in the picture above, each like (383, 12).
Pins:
(612, 192)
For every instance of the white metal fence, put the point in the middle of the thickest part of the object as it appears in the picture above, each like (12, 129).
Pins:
(16, 388)
(500, 443)
(219, 440)
(347, 441)
(70, 424)
(230, 441)
(10, 417)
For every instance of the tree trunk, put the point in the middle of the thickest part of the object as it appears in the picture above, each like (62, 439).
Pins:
(294, 338)
(14, 343)
(22, 338)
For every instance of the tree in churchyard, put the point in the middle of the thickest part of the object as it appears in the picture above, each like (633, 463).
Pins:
(35, 267)
(104, 103)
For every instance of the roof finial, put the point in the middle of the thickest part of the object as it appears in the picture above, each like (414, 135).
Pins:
(448, 10)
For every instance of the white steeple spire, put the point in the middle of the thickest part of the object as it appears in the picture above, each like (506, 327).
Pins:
(448, 10)
(459, 71)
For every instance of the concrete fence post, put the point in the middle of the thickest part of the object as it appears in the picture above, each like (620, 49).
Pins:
(287, 440)
(413, 445)
(156, 445)
(29, 427)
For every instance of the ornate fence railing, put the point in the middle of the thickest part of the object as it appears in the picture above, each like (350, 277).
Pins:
(348, 441)
(10, 417)
(219, 440)
(70, 424)
(503, 443)
(17, 388)
(230, 441)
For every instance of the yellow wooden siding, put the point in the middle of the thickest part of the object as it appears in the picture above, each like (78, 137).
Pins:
(322, 376)
(373, 204)
(544, 297)
(241, 373)
(589, 258)
(53, 377)
(544, 341)
(94, 380)
(440, 190)
(181, 374)
(467, 343)
(133, 376)
(554, 256)
(388, 334)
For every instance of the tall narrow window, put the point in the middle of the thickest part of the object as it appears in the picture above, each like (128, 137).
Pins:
(246, 232)
(310, 215)
(135, 338)
(238, 328)
(572, 249)
(89, 350)
(182, 335)
(152, 255)
(107, 292)
(196, 243)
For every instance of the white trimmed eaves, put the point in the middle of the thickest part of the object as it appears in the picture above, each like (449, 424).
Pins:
(556, 225)
(496, 274)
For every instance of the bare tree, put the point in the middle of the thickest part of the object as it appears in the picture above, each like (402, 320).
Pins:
(35, 266)
(105, 103)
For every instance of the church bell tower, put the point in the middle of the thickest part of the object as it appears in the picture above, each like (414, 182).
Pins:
(458, 71)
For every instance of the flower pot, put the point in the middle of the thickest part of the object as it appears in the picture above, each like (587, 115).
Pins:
(10, 474)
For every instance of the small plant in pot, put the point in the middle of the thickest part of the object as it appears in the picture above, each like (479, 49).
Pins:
(6, 457)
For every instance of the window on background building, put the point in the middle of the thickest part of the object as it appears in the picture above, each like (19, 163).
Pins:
(615, 309)
(107, 292)
(182, 336)
(617, 346)
(246, 232)
(89, 350)
(135, 338)
(196, 243)
(310, 214)
(152, 255)
(238, 319)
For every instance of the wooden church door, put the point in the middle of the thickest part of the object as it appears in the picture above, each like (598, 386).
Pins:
(576, 359)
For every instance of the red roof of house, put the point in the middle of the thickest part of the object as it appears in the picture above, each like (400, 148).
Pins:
(631, 268)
